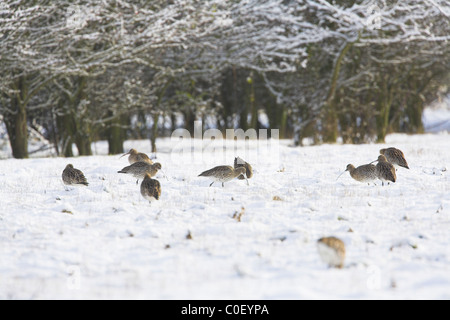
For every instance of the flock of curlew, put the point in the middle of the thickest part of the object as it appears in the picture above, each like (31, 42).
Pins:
(331, 249)
(388, 160)
(142, 168)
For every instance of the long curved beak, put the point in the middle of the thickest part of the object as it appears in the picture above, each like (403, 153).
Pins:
(124, 155)
(373, 161)
(341, 175)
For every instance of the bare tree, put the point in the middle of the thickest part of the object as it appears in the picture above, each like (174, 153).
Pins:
(322, 65)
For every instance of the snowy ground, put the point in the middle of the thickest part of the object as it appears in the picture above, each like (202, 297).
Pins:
(105, 241)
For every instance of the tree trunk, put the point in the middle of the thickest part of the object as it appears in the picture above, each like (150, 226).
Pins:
(155, 132)
(83, 143)
(54, 136)
(283, 123)
(330, 124)
(115, 136)
(66, 128)
(16, 123)
(414, 107)
(384, 110)
(16, 126)
(382, 123)
(189, 119)
(330, 121)
(83, 134)
(252, 103)
(173, 121)
(67, 150)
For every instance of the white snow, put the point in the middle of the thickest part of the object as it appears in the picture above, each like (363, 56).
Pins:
(105, 241)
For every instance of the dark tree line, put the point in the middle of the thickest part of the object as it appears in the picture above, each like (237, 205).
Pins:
(80, 71)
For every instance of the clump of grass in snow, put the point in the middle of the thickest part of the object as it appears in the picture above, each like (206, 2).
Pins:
(238, 215)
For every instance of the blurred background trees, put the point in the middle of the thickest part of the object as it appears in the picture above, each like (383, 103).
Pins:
(81, 71)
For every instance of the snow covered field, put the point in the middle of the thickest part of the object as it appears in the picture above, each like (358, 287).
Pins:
(105, 241)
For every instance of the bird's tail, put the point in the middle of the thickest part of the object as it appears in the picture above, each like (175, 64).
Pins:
(206, 173)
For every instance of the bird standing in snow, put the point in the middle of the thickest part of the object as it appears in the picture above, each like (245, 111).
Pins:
(395, 156)
(135, 156)
(332, 251)
(72, 176)
(385, 170)
(238, 162)
(139, 169)
(363, 173)
(150, 188)
(223, 174)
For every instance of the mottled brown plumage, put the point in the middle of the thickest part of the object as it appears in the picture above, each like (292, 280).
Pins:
(332, 251)
(150, 188)
(72, 176)
(139, 169)
(363, 173)
(385, 170)
(395, 156)
(135, 156)
(238, 162)
(223, 174)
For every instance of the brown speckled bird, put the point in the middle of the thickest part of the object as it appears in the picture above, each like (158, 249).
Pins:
(238, 162)
(385, 170)
(150, 188)
(72, 176)
(223, 174)
(395, 156)
(332, 251)
(363, 173)
(135, 156)
(139, 169)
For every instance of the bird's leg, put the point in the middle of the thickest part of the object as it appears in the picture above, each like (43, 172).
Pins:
(211, 183)
(137, 181)
(223, 185)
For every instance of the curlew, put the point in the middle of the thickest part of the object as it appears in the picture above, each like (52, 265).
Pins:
(72, 176)
(363, 173)
(238, 162)
(139, 169)
(150, 188)
(332, 251)
(223, 174)
(385, 170)
(395, 156)
(135, 156)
